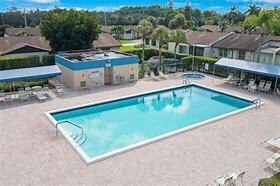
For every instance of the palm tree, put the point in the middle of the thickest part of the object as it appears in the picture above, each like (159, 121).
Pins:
(161, 35)
(177, 36)
(144, 28)
(253, 10)
(118, 30)
(233, 14)
(223, 26)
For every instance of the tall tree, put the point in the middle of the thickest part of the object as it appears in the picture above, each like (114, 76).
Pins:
(70, 29)
(223, 26)
(130, 20)
(160, 34)
(177, 36)
(253, 10)
(118, 30)
(153, 20)
(144, 28)
(179, 22)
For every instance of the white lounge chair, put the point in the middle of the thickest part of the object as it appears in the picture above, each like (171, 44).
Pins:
(267, 87)
(252, 88)
(237, 177)
(161, 75)
(274, 142)
(8, 98)
(225, 181)
(156, 78)
(277, 92)
(229, 78)
(45, 88)
(261, 85)
(40, 95)
(23, 96)
(2, 94)
(250, 84)
(273, 162)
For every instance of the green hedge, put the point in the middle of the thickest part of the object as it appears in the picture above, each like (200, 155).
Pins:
(150, 52)
(273, 181)
(48, 60)
(14, 62)
(21, 84)
(199, 64)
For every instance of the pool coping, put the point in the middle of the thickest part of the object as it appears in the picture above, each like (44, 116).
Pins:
(88, 160)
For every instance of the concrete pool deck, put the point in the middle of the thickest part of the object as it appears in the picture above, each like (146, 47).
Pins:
(31, 154)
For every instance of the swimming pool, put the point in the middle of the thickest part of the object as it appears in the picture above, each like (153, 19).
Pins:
(119, 125)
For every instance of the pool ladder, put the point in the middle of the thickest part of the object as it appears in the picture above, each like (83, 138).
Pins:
(257, 102)
(78, 138)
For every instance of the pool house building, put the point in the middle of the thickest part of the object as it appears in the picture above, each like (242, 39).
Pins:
(93, 68)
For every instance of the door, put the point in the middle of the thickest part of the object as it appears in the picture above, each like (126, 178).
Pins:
(108, 75)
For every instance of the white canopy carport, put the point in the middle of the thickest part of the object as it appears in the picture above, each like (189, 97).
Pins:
(251, 67)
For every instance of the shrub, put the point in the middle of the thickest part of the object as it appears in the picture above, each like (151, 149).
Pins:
(20, 84)
(14, 62)
(149, 52)
(199, 64)
(273, 181)
(48, 60)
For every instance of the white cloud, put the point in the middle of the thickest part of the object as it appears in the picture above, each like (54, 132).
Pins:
(43, 1)
(108, 8)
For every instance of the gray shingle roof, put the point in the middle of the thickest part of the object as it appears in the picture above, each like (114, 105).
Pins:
(28, 31)
(246, 42)
(106, 40)
(8, 44)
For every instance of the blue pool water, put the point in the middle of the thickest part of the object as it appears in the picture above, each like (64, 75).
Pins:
(193, 76)
(114, 125)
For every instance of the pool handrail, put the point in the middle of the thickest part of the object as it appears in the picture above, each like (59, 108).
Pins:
(69, 122)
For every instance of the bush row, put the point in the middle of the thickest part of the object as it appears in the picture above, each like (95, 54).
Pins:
(37, 82)
(14, 62)
(200, 64)
(150, 52)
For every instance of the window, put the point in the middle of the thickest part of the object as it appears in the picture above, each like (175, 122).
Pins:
(147, 41)
(191, 50)
(153, 42)
(182, 49)
(241, 55)
(223, 52)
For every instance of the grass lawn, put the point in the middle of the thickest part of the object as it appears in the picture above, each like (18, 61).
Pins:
(273, 181)
(125, 41)
(127, 48)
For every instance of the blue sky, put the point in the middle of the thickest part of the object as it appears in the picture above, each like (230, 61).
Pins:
(219, 5)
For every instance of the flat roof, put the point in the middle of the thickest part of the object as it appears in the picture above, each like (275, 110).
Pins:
(29, 73)
(92, 55)
(252, 67)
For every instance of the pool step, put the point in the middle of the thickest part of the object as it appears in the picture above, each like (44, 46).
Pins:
(78, 138)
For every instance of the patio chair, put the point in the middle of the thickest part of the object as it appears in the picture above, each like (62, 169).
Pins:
(277, 92)
(261, 85)
(45, 88)
(8, 98)
(40, 95)
(267, 87)
(273, 162)
(250, 84)
(29, 91)
(23, 96)
(2, 94)
(273, 142)
(229, 78)
(154, 77)
(161, 75)
(237, 177)
(225, 181)
(252, 88)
